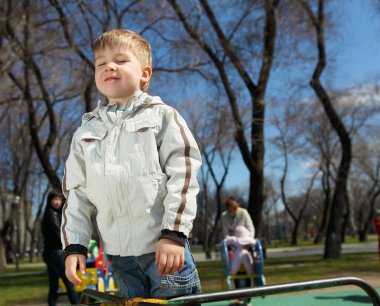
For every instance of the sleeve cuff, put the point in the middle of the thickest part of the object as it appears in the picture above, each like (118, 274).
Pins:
(175, 236)
(75, 249)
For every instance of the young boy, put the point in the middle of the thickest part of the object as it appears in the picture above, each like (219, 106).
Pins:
(134, 161)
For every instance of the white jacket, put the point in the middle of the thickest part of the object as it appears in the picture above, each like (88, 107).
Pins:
(139, 172)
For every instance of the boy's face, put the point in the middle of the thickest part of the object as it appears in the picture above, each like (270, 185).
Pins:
(118, 73)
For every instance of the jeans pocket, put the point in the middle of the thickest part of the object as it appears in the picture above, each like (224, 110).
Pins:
(183, 283)
(121, 283)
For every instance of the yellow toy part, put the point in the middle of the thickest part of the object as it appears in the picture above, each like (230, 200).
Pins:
(111, 284)
(101, 284)
(137, 301)
(88, 280)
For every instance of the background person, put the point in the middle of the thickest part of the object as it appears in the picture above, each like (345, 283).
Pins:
(52, 253)
(235, 216)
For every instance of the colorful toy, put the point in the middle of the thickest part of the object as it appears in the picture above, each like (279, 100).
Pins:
(98, 276)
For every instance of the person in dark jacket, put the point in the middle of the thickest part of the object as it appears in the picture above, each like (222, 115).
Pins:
(52, 254)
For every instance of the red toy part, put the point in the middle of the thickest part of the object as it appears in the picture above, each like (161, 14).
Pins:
(230, 256)
(101, 261)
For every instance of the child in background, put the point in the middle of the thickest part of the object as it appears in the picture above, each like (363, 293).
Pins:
(241, 255)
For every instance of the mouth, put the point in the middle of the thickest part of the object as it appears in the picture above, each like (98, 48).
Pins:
(111, 78)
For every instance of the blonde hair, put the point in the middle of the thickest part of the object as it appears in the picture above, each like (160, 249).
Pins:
(131, 41)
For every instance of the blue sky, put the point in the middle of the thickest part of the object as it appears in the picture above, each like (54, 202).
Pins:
(357, 61)
(359, 57)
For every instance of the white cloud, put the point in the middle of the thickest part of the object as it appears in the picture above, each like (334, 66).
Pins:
(358, 96)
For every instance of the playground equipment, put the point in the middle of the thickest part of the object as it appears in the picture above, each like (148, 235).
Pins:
(112, 300)
(257, 278)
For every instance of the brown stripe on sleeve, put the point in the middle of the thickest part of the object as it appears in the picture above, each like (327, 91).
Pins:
(64, 186)
(187, 176)
(64, 225)
(64, 212)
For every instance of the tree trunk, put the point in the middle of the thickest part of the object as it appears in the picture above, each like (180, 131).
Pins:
(326, 210)
(333, 243)
(215, 230)
(333, 246)
(256, 200)
(294, 240)
(3, 258)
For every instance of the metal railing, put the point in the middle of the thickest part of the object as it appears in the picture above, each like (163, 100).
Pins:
(278, 289)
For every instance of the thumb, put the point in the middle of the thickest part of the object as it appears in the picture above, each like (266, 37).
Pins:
(82, 264)
(157, 255)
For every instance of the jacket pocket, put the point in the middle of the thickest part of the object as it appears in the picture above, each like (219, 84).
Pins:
(93, 149)
(92, 135)
(139, 139)
(141, 125)
(92, 145)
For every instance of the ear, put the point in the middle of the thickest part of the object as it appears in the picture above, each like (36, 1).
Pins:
(146, 74)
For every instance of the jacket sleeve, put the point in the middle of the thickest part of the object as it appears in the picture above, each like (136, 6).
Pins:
(224, 225)
(249, 224)
(180, 160)
(76, 222)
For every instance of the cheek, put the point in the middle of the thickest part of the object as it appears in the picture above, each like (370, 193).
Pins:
(97, 81)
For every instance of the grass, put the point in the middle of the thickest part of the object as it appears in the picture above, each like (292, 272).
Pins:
(286, 270)
(24, 290)
(33, 289)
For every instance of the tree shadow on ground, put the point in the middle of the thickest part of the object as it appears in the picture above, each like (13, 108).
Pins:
(348, 298)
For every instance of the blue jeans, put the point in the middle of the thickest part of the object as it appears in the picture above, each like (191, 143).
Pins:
(56, 269)
(139, 277)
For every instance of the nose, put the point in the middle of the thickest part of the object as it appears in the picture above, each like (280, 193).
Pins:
(110, 66)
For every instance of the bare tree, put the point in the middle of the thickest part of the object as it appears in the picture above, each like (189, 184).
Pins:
(269, 210)
(214, 136)
(219, 44)
(365, 184)
(338, 207)
(289, 141)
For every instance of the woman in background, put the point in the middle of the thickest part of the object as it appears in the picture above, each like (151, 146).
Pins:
(52, 254)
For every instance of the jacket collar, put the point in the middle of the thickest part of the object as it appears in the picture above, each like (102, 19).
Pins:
(137, 100)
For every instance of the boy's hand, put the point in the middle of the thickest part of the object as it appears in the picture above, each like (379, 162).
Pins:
(170, 256)
(71, 264)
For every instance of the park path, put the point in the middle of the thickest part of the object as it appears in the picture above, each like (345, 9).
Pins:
(303, 251)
